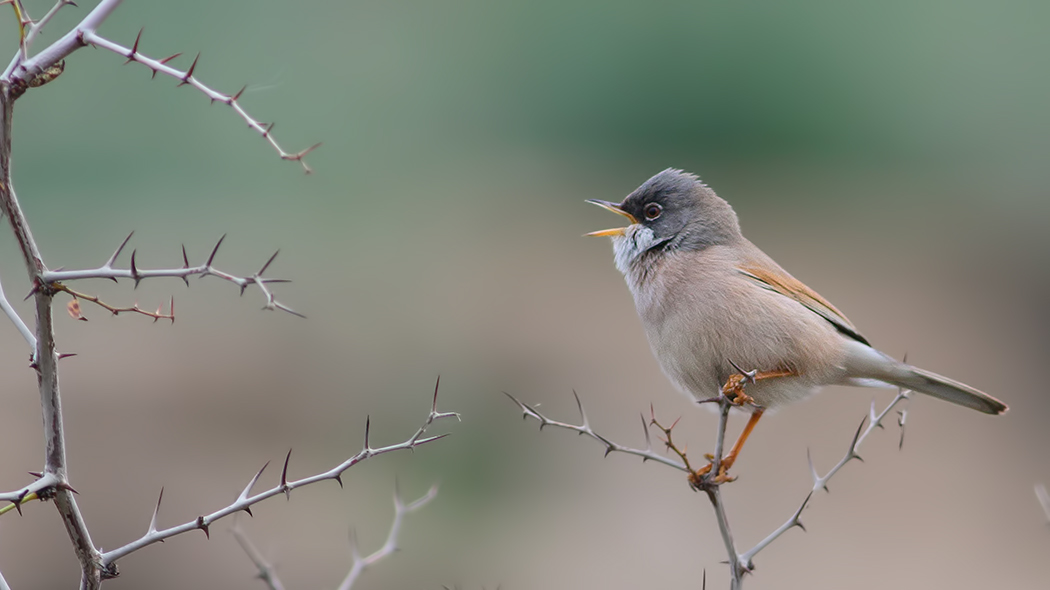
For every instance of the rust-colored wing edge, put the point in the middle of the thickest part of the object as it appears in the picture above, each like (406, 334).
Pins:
(793, 288)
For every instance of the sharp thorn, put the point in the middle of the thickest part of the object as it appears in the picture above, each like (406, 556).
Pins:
(120, 248)
(135, 47)
(189, 73)
(437, 386)
(156, 511)
(134, 269)
(248, 489)
(267, 265)
(215, 251)
(424, 441)
(284, 476)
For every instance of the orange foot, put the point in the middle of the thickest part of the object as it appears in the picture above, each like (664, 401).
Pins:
(699, 478)
(734, 390)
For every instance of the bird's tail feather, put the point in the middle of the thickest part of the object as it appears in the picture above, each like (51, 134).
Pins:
(865, 363)
(932, 384)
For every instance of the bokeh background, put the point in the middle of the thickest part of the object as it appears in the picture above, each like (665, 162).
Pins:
(893, 155)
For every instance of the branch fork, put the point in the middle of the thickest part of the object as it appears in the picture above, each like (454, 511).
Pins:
(739, 564)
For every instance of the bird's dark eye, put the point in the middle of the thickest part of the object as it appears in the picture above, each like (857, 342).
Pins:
(653, 210)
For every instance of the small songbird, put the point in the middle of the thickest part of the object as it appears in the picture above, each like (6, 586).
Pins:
(714, 306)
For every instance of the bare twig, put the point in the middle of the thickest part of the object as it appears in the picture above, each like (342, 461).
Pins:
(739, 564)
(75, 313)
(1044, 500)
(23, 69)
(34, 29)
(27, 71)
(390, 546)
(245, 500)
(266, 572)
(54, 278)
(12, 315)
(187, 78)
(647, 454)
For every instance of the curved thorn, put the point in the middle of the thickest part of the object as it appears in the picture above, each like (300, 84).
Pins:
(215, 251)
(856, 437)
(203, 525)
(112, 259)
(135, 270)
(579, 406)
(189, 73)
(284, 476)
(251, 484)
(135, 47)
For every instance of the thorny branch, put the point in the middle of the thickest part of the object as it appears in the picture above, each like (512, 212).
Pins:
(24, 69)
(739, 563)
(647, 454)
(246, 500)
(27, 71)
(267, 573)
(54, 278)
(73, 307)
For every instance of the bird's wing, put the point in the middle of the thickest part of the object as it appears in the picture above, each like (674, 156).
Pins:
(789, 286)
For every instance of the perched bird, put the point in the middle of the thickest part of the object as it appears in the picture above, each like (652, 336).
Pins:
(714, 306)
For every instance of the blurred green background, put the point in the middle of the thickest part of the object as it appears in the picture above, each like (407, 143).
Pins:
(893, 155)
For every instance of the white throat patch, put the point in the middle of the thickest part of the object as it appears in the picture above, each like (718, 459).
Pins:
(631, 245)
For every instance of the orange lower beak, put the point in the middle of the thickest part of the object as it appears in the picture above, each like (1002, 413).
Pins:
(615, 208)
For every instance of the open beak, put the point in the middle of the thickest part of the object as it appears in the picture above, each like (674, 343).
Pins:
(615, 208)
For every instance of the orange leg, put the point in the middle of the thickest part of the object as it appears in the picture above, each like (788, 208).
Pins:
(729, 459)
(734, 389)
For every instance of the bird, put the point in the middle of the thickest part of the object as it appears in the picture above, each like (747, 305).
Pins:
(720, 315)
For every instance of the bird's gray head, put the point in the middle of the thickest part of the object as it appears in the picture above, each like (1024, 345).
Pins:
(671, 211)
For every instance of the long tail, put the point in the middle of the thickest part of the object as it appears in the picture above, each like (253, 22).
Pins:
(864, 361)
(946, 389)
